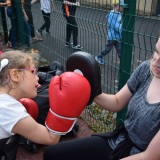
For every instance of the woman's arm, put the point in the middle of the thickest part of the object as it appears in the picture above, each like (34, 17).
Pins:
(151, 153)
(114, 103)
(35, 132)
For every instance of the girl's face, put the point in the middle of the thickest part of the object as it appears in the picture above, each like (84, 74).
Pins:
(29, 83)
(156, 60)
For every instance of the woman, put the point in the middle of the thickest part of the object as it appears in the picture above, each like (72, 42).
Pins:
(139, 137)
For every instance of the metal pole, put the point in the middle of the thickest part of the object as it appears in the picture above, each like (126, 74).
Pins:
(4, 23)
(126, 50)
(19, 21)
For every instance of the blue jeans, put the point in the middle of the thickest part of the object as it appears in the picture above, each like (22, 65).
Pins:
(12, 34)
(109, 46)
(13, 31)
(27, 32)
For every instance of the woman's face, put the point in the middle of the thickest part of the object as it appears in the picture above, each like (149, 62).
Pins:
(156, 60)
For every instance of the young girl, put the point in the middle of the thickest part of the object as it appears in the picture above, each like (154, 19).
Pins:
(139, 137)
(18, 79)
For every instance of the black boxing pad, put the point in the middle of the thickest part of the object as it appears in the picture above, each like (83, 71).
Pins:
(90, 69)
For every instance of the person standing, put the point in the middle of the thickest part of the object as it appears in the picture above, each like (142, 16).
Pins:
(69, 10)
(114, 28)
(27, 8)
(11, 10)
(46, 7)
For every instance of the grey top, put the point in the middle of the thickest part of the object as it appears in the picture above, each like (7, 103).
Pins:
(142, 119)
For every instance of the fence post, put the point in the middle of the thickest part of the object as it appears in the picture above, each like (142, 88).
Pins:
(126, 49)
(19, 21)
(4, 24)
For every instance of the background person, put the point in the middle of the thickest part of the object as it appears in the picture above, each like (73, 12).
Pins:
(69, 10)
(46, 7)
(114, 29)
(28, 10)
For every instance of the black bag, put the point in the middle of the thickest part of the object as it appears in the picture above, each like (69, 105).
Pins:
(8, 147)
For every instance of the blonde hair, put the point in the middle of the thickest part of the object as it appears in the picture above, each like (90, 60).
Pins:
(151, 60)
(16, 60)
(151, 72)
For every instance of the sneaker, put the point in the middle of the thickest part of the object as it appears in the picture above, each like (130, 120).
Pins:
(37, 39)
(39, 32)
(77, 47)
(68, 44)
(99, 60)
(47, 33)
(34, 39)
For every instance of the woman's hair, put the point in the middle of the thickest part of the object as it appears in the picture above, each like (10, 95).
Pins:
(151, 61)
(16, 60)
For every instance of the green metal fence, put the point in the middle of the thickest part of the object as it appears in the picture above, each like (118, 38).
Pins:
(141, 24)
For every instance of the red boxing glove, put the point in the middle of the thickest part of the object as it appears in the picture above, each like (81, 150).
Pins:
(68, 96)
(30, 106)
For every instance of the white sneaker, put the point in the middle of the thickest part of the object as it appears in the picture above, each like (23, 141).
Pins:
(77, 47)
(68, 44)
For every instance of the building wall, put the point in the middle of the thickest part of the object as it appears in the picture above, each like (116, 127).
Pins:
(144, 7)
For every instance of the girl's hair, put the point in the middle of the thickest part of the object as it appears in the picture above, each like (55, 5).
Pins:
(16, 60)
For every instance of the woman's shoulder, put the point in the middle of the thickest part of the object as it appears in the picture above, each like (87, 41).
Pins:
(144, 66)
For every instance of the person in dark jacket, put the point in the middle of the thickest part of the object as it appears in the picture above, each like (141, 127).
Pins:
(69, 10)
(28, 10)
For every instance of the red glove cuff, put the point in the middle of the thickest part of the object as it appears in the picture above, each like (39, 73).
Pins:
(57, 124)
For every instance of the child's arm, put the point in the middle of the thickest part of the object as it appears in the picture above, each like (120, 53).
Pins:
(30, 129)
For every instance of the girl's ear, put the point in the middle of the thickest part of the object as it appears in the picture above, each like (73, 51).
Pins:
(15, 76)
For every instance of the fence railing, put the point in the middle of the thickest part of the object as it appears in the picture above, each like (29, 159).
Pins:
(141, 24)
